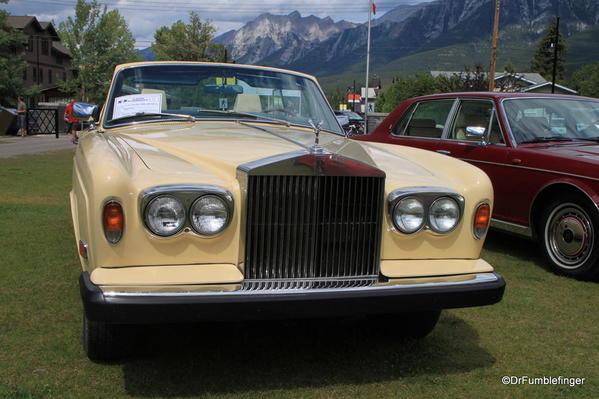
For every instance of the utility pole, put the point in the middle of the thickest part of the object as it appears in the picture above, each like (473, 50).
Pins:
(555, 42)
(353, 104)
(493, 64)
(367, 69)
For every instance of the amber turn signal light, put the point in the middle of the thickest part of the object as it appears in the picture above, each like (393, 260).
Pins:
(113, 220)
(482, 217)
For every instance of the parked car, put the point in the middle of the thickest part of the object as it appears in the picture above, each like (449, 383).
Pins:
(356, 122)
(351, 122)
(342, 119)
(209, 192)
(540, 151)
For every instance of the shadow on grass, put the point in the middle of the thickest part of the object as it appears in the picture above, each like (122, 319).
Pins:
(240, 357)
(521, 248)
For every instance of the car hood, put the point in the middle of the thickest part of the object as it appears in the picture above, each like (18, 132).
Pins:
(218, 148)
(587, 150)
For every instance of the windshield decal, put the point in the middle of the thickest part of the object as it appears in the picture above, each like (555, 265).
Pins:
(137, 103)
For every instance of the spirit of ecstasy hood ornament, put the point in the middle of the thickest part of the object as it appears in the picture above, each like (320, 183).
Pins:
(317, 128)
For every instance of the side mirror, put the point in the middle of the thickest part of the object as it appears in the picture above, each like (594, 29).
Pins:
(475, 131)
(83, 111)
(478, 132)
(86, 113)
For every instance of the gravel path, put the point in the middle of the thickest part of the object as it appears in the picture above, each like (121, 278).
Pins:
(13, 146)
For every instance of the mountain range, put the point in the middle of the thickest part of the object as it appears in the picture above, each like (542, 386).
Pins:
(441, 34)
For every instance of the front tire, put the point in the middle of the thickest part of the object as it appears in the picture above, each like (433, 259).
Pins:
(416, 325)
(104, 342)
(569, 237)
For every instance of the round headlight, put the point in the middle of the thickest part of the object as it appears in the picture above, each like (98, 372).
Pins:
(408, 215)
(444, 215)
(165, 215)
(209, 215)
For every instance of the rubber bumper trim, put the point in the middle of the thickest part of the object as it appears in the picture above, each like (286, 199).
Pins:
(134, 308)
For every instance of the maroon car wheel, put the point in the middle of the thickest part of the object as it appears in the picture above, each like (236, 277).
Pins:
(570, 238)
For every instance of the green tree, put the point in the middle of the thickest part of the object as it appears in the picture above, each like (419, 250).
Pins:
(470, 79)
(586, 80)
(542, 61)
(12, 44)
(337, 97)
(188, 42)
(403, 88)
(509, 68)
(98, 41)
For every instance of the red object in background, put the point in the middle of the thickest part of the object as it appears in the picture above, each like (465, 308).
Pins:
(373, 8)
(354, 98)
(68, 114)
(546, 184)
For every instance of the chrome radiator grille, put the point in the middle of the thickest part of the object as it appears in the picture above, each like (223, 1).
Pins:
(312, 231)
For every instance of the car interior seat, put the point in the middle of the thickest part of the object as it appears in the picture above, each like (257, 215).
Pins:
(423, 128)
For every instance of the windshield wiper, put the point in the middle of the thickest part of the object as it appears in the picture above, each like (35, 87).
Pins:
(151, 114)
(595, 139)
(255, 116)
(546, 139)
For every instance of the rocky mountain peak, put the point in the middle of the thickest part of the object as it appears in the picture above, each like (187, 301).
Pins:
(323, 46)
(291, 35)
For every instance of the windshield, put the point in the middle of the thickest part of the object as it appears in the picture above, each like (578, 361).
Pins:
(552, 119)
(202, 91)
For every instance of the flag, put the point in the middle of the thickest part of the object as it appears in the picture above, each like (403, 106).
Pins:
(373, 8)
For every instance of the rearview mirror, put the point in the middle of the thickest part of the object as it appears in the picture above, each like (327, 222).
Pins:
(223, 89)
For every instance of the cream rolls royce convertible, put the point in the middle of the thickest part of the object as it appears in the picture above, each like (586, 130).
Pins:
(210, 192)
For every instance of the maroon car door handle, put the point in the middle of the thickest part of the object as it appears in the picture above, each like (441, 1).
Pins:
(445, 152)
(516, 161)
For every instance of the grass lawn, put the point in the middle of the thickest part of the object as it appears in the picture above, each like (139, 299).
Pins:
(545, 326)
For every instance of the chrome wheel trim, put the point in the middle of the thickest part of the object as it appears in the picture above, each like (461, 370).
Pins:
(569, 236)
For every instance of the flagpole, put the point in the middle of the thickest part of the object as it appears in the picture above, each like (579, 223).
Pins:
(367, 69)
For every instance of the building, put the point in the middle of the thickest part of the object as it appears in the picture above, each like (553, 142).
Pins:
(374, 83)
(527, 82)
(48, 61)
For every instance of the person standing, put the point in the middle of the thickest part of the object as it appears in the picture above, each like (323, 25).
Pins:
(21, 116)
(71, 121)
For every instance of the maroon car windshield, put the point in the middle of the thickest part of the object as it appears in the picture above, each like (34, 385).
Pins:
(537, 120)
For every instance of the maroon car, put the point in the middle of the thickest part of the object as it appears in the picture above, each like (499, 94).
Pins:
(541, 152)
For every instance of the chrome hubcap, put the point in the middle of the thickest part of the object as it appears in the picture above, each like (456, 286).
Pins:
(569, 236)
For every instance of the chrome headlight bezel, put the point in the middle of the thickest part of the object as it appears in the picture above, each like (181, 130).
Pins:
(394, 215)
(187, 195)
(192, 211)
(181, 210)
(434, 224)
(428, 196)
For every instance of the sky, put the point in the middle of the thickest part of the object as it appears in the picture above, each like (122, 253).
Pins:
(145, 16)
